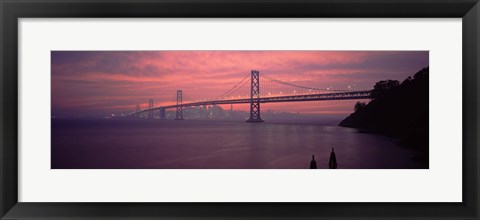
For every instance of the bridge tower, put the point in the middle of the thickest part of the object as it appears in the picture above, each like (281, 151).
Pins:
(150, 108)
(255, 97)
(179, 115)
(162, 114)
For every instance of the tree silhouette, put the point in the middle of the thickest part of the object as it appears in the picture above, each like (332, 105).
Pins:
(359, 105)
(382, 88)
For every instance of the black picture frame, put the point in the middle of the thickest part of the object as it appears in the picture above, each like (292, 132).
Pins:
(12, 10)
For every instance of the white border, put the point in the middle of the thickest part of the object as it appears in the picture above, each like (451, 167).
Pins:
(441, 183)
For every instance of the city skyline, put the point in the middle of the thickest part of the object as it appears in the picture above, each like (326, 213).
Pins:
(115, 82)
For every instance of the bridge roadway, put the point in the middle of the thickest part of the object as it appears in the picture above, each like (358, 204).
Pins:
(292, 98)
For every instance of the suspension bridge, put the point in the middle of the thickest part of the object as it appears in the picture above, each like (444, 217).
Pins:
(272, 90)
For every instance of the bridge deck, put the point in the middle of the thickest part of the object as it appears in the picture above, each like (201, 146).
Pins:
(294, 98)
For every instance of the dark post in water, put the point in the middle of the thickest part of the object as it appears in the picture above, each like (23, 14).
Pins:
(313, 164)
(333, 160)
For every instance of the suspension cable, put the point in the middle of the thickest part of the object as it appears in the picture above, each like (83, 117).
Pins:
(238, 88)
(228, 91)
(303, 87)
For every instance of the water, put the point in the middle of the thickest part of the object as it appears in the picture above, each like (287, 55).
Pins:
(168, 144)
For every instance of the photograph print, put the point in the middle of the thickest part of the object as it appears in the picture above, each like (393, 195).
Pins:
(239, 109)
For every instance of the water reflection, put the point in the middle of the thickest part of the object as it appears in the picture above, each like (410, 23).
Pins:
(219, 145)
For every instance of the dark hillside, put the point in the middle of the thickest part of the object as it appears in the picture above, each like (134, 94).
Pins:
(398, 110)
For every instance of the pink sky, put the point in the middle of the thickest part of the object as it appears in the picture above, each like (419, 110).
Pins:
(106, 82)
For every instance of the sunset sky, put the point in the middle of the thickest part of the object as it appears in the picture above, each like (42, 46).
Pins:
(96, 83)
